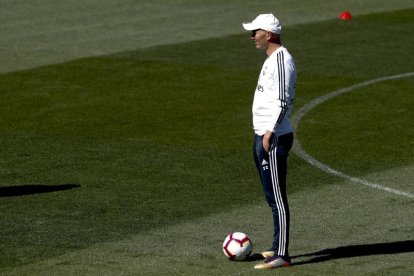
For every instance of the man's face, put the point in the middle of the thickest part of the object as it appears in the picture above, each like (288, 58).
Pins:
(260, 38)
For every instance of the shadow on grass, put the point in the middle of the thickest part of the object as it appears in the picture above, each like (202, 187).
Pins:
(357, 251)
(255, 257)
(31, 189)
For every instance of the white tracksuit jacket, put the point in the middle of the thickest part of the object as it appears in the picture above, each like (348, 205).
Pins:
(274, 95)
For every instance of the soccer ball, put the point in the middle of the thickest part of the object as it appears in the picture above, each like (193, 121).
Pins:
(237, 246)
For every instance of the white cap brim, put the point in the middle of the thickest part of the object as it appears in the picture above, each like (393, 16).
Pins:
(250, 26)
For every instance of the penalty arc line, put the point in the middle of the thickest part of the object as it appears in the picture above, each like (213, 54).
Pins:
(298, 150)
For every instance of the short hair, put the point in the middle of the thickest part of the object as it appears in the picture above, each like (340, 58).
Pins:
(275, 38)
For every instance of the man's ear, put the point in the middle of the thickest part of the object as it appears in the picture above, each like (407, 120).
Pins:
(268, 36)
(271, 37)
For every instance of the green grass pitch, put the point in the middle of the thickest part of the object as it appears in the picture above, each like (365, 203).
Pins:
(138, 161)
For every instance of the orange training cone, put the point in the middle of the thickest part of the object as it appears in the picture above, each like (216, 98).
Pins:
(346, 15)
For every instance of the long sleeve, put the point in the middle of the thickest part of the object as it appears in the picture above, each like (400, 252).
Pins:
(274, 94)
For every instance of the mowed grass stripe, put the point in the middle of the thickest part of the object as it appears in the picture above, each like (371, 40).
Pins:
(359, 229)
(159, 137)
(49, 32)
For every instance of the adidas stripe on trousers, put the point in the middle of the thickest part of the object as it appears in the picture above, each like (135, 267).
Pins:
(272, 169)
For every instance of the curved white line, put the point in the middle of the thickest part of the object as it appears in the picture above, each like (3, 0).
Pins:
(298, 150)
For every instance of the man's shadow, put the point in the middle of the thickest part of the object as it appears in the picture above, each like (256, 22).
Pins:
(30, 189)
(357, 251)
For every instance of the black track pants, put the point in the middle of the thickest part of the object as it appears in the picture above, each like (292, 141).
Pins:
(272, 168)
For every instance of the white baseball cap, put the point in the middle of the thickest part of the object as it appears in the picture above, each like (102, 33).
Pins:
(267, 22)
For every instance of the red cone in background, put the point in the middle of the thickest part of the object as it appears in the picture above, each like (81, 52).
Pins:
(346, 15)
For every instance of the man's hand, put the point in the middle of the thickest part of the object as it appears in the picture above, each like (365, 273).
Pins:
(266, 140)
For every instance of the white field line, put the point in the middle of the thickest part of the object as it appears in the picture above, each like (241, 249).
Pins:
(298, 150)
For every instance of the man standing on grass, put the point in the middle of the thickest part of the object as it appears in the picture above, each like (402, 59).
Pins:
(273, 99)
